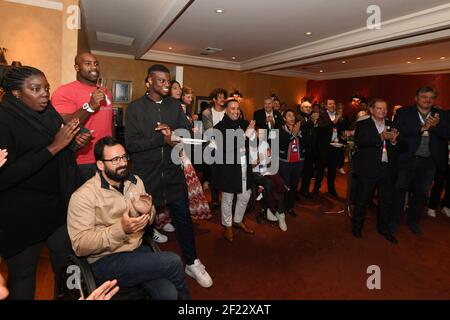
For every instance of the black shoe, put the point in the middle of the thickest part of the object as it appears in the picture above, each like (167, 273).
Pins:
(414, 227)
(389, 236)
(292, 213)
(316, 190)
(307, 195)
(356, 233)
(333, 193)
(214, 205)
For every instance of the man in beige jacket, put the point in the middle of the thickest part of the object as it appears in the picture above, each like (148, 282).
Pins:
(106, 221)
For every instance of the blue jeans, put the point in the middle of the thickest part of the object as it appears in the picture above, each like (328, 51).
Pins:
(160, 274)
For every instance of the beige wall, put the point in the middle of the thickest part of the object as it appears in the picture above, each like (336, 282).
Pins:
(254, 87)
(32, 36)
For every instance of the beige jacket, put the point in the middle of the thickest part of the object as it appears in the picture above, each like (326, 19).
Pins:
(94, 218)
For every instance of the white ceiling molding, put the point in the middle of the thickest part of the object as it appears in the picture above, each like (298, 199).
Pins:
(419, 22)
(177, 58)
(167, 18)
(423, 38)
(439, 65)
(114, 38)
(112, 54)
(40, 3)
(293, 74)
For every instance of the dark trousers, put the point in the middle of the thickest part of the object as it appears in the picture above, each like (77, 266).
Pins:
(208, 175)
(441, 179)
(87, 170)
(267, 184)
(327, 160)
(291, 173)
(385, 184)
(415, 177)
(341, 158)
(184, 230)
(22, 267)
(311, 163)
(160, 274)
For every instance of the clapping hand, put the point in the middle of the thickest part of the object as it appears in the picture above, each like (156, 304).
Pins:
(3, 155)
(250, 132)
(105, 292)
(83, 139)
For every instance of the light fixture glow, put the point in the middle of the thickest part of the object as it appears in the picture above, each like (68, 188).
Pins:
(320, 71)
(308, 33)
(233, 58)
(170, 48)
(408, 62)
(442, 58)
(219, 11)
(419, 58)
(344, 61)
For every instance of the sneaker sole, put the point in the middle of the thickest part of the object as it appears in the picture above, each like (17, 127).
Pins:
(190, 274)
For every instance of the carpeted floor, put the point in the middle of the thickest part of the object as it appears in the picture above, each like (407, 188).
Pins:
(317, 258)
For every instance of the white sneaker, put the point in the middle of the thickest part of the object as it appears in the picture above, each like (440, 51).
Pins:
(159, 237)
(259, 197)
(198, 271)
(205, 185)
(281, 221)
(168, 227)
(270, 216)
(342, 171)
(446, 211)
(431, 213)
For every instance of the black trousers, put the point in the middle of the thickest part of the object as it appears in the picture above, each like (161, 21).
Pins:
(441, 179)
(415, 177)
(385, 184)
(291, 173)
(311, 164)
(327, 160)
(22, 267)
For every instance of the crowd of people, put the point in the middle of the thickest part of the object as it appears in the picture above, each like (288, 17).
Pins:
(68, 184)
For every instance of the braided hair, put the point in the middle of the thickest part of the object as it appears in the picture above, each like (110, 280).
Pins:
(15, 77)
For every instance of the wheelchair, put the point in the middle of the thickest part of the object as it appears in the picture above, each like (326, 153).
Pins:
(87, 284)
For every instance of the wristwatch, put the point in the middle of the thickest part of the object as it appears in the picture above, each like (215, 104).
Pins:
(88, 108)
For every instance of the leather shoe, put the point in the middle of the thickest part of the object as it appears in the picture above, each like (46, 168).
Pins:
(228, 234)
(241, 225)
(333, 193)
(316, 190)
(292, 213)
(389, 236)
(307, 195)
(414, 227)
(356, 233)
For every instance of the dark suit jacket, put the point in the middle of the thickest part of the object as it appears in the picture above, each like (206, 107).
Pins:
(408, 124)
(260, 117)
(325, 131)
(370, 149)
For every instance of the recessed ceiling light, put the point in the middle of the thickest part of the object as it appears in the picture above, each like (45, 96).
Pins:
(442, 58)
(419, 58)
(320, 71)
(344, 61)
(408, 61)
(219, 11)
(233, 58)
(170, 48)
(308, 33)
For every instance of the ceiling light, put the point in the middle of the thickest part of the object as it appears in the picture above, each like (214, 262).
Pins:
(170, 48)
(408, 61)
(419, 58)
(233, 58)
(219, 10)
(442, 58)
(320, 71)
(308, 33)
(344, 61)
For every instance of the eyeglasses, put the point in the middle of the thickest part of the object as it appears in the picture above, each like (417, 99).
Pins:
(115, 161)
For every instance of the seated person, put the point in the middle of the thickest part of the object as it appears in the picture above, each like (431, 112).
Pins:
(273, 183)
(106, 221)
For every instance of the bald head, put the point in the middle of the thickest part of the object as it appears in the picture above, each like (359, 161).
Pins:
(87, 68)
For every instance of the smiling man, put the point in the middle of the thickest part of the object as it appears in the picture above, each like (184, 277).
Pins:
(86, 100)
(151, 120)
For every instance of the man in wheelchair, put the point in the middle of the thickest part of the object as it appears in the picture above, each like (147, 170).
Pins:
(106, 221)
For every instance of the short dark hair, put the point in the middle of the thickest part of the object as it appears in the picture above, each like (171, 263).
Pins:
(286, 111)
(157, 68)
(230, 101)
(375, 101)
(99, 147)
(215, 93)
(328, 99)
(16, 76)
(426, 90)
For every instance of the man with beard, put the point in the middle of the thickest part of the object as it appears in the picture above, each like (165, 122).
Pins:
(86, 100)
(148, 134)
(106, 221)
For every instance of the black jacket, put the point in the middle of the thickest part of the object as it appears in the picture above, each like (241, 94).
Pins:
(260, 117)
(285, 140)
(229, 176)
(370, 149)
(408, 124)
(325, 131)
(150, 155)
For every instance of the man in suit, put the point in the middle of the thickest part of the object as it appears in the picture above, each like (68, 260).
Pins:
(329, 132)
(376, 166)
(267, 118)
(422, 144)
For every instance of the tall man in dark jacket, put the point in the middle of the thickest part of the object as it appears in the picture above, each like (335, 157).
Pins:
(268, 118)
(148, 136)
(376, 166)
(422, 143)
(234, 172)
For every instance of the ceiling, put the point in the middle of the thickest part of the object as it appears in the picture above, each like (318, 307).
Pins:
(270, 36)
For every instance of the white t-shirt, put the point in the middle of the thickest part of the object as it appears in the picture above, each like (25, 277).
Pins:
(217, 116)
